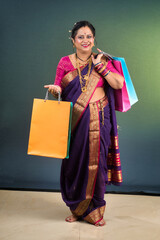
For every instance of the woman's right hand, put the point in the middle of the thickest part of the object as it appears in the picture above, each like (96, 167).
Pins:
(53, 89)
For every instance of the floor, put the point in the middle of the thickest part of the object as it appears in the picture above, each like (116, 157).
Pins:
(28, 215)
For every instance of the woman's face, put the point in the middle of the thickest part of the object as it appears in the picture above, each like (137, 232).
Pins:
(84, 40)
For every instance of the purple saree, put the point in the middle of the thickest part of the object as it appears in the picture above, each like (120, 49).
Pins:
(94, 153)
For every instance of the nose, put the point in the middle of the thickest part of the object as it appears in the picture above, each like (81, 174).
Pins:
(86, 38)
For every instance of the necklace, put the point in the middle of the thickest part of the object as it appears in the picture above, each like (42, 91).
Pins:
(82, 59)
(84, 78)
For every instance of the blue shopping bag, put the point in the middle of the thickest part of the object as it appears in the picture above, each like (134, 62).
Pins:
(130, 88)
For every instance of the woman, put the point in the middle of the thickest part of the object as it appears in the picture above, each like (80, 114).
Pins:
(87, 80)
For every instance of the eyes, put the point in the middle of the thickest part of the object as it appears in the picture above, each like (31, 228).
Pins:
(81, 37)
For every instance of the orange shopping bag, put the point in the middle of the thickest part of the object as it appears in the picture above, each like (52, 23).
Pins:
(50, 128)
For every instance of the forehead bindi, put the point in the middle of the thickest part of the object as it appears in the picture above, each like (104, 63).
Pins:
(84, 31)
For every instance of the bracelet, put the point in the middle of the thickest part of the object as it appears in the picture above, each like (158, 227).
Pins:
(101, 70)
(107, 73)
(99, 66)
(97, 63)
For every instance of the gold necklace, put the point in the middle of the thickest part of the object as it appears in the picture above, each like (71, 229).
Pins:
(84, 78)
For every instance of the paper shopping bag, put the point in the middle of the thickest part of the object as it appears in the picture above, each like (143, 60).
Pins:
(125, 97)
(50, 128)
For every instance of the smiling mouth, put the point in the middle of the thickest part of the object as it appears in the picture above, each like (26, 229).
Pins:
(86, 45)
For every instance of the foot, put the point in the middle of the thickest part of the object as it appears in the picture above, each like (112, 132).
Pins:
(100, 223)
(71, 218)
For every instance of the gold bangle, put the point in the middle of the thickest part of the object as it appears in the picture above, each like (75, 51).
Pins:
(107, 73)
(97, 64)
(102, 69)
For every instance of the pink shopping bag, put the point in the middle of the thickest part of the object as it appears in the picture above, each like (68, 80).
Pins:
(122, 102)
(125, 97)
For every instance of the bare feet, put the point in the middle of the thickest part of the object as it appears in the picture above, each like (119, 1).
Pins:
(100, 223)
(71, 218)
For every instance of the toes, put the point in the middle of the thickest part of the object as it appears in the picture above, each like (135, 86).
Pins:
(100, 223)
(71, 219)
(67, 219)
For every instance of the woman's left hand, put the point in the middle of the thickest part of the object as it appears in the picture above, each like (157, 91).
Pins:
(98, 59)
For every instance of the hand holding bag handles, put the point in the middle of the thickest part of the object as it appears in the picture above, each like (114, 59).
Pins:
(125, 97)
(50, 128)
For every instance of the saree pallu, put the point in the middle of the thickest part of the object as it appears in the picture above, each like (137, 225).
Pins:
(94, 153)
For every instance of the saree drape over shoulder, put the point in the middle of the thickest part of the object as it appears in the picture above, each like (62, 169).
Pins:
(94, 152)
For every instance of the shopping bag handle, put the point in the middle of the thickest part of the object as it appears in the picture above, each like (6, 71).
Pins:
(109, 56)
(59, 96)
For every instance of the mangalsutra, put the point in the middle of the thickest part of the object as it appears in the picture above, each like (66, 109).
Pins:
(82, 59)
(84, 78)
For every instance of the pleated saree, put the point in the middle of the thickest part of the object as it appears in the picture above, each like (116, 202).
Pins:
(94, 152)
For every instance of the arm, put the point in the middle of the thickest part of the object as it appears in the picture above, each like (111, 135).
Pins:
(108, 71)
(114, 78)
(60, 72)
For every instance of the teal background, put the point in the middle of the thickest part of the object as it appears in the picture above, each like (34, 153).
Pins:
(33, 37)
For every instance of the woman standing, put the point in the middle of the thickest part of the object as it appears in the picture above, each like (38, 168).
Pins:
(88, 81)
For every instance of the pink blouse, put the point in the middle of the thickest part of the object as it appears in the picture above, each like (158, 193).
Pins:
(65, 66)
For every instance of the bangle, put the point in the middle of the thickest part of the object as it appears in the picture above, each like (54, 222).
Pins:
(107, 73)
(99, 66)
(101, 69)
(104, 72)
(97, 63)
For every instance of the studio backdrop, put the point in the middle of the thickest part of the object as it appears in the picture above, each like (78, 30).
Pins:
(34, 35)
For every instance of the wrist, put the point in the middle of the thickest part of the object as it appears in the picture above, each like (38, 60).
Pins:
(102, 69)
(97, 64)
